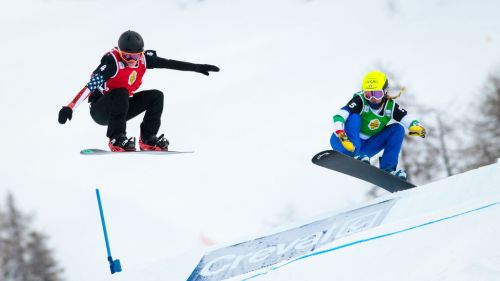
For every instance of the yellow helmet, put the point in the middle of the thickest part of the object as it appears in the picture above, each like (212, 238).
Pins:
(375, 81)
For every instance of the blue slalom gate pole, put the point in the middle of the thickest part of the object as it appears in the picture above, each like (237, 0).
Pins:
(114, 265)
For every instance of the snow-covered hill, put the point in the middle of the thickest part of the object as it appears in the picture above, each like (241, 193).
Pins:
(286, 67)
(447, 230)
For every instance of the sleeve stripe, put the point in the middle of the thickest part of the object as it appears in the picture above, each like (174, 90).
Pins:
(339, 119)
(407, 120)
(343, 113)
(81, 96)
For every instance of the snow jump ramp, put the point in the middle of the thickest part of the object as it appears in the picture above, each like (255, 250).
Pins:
(446, 230)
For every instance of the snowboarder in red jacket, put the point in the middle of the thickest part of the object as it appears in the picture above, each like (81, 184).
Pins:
(112, 94)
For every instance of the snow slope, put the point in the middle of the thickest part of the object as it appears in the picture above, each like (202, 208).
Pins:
(447, 230)
(287, 66)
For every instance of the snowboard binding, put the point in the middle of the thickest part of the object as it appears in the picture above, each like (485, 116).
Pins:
(154, 143)
(122, 144)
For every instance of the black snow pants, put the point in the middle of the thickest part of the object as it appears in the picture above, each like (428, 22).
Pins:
(116, 107)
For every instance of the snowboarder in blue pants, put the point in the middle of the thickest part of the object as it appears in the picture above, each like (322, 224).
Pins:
(362, 129)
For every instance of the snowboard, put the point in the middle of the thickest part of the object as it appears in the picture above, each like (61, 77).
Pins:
(342, 163)
(97, 151)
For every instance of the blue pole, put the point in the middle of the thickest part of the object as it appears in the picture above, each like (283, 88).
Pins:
(114, 265)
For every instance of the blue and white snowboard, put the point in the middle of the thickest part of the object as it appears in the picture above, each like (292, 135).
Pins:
(97, 151)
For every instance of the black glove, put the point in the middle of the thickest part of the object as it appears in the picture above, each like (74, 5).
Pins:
(206, 68)
(66, 113)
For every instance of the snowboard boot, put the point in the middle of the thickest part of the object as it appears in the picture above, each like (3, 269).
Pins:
(362, 158)
(401, 173)
(121, 143)
(154, 143)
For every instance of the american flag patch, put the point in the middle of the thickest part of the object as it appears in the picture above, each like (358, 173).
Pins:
(95, 81)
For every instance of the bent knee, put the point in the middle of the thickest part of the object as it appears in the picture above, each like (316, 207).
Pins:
(157, 94)
(101, 119)
(397, 129)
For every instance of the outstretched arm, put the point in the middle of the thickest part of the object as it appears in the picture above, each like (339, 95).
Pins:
(154, 61)
(66, 112)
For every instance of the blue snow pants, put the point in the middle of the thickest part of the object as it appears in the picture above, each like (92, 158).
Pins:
(389, 139)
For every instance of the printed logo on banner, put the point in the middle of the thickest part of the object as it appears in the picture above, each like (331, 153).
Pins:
(259, 253)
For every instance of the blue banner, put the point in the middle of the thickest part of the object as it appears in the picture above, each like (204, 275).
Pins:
(280, 247)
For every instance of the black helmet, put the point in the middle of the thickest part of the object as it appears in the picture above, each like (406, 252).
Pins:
(131, 42)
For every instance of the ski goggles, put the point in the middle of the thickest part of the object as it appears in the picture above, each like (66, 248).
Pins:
(374, 96)
(130, 57)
